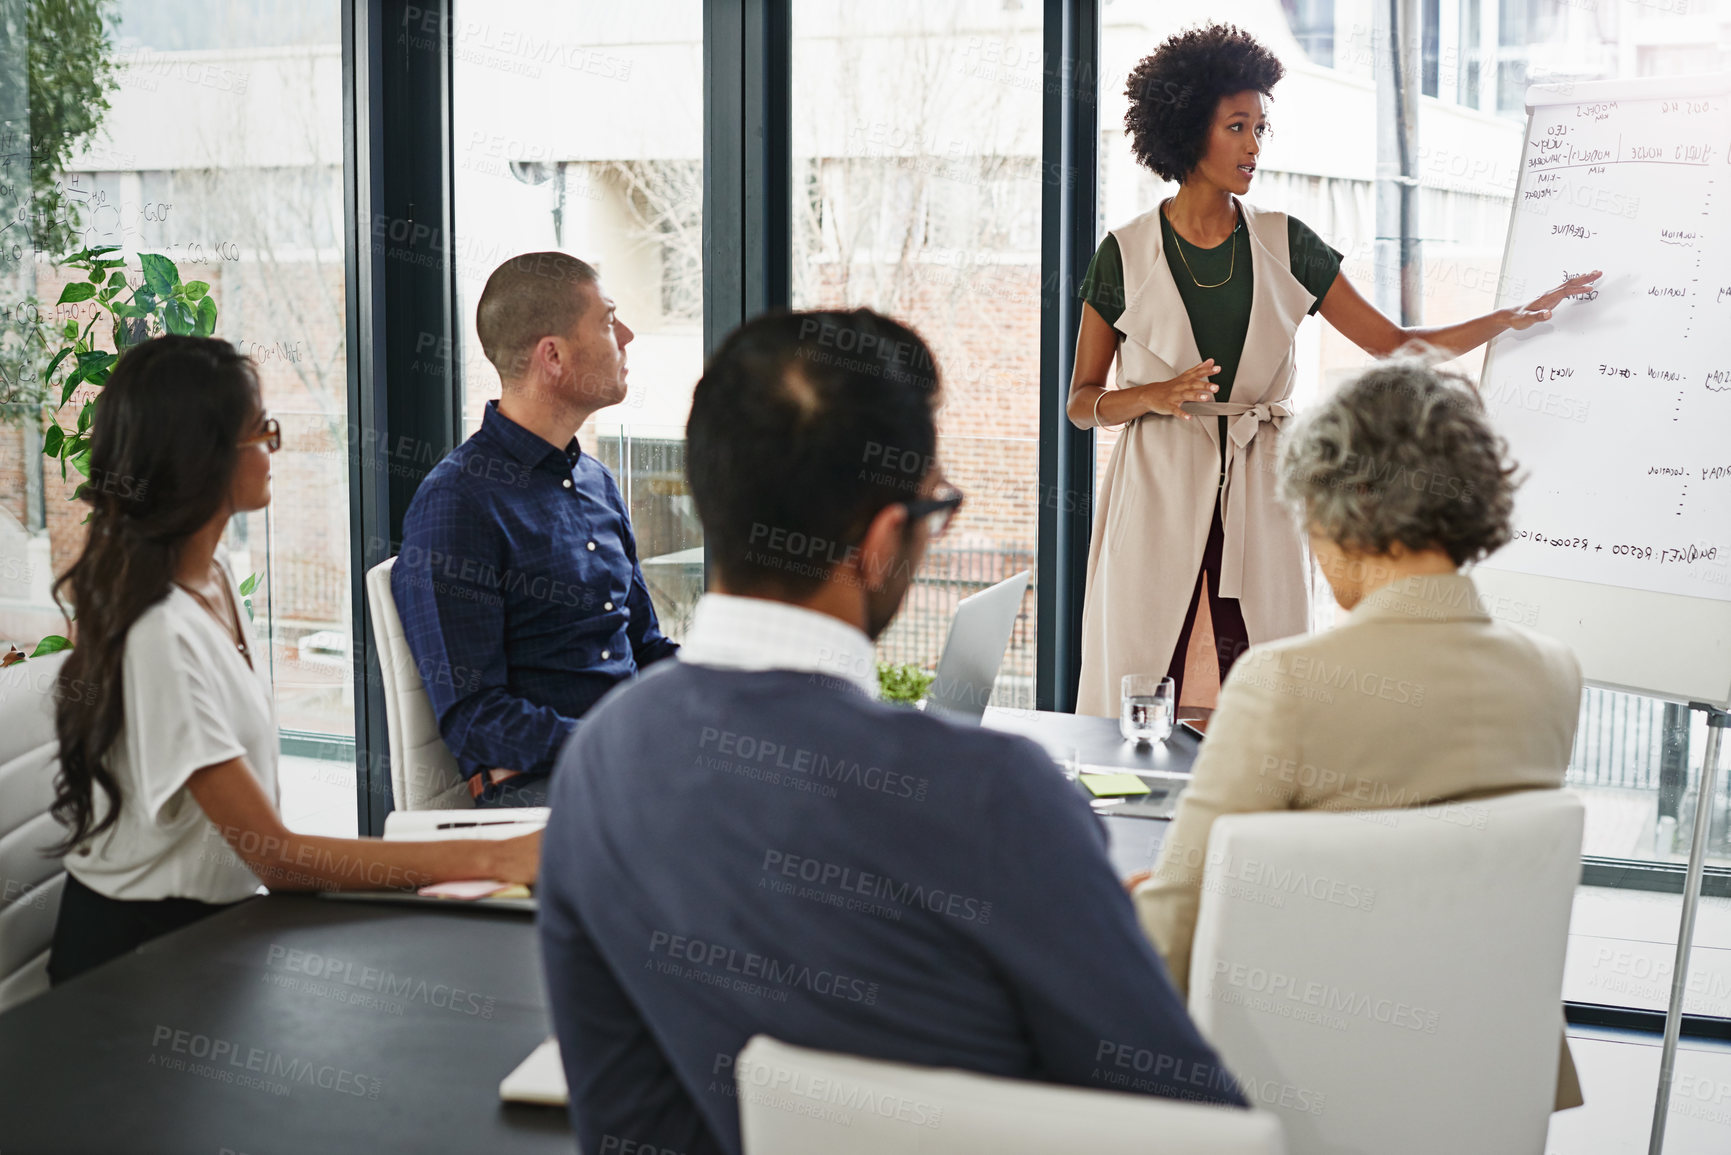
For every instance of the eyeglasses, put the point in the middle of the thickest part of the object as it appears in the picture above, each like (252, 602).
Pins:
(270, 437)
(938, 511)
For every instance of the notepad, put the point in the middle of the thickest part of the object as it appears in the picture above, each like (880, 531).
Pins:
(428, 825)
(1113, 785)
(474, 888)
(538, 1079)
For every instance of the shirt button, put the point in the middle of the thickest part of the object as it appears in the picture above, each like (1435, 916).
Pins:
(607, 605)
(567, 483)
(605, 655)
(591, 545)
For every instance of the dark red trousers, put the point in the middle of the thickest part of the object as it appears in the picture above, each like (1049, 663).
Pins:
(1230, 637)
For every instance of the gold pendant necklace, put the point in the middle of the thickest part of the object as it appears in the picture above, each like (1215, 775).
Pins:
(1233, 265)
(239, 643)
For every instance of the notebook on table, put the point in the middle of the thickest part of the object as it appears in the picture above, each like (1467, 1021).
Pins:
(437, 825)
(539, 1079)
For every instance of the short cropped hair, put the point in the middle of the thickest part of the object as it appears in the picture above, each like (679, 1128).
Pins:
(1405, 453)
(803, 427)
(1175, 91)
(529, 297)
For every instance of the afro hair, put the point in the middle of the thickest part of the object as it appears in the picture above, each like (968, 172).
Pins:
(1176, 89)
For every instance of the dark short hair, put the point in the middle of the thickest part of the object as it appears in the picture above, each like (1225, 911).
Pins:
(529, 297)
(1176, 89)
(802, 428)
(1404, 453)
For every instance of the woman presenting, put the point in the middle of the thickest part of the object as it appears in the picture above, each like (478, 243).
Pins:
(1198, 301)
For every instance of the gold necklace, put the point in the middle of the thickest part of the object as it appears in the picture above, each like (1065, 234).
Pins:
(1233, 265)
(239, 643)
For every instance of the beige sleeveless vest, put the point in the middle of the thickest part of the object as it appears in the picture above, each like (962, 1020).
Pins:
(1152, 514)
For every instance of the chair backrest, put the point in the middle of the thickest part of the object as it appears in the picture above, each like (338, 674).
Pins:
(30, 882)
(1391, 980)
(424, 775)
(795, 1101)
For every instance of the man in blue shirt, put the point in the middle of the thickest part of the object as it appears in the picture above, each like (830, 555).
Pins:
(517, 581)
(745, 841)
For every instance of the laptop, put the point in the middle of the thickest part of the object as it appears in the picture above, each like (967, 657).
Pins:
(979, 634)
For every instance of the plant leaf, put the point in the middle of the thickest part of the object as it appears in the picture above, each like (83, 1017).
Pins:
(160, 274)
(75, 292)
(86, 416)
(205, 318)
(249, 585)
(82, 461)
(196, 290)
(52, 438)
(93, 365)
(178, 319)
(55, 364)
(52, 644)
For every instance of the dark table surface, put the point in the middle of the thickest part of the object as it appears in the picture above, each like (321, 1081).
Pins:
(288, 1026)
(294, 1025)
(1132, 840)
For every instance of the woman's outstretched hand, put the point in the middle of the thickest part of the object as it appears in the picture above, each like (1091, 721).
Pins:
(1164, 397)
(517, 859)
(1539, 308)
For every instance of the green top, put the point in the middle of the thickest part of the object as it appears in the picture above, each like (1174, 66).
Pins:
(1220, 315)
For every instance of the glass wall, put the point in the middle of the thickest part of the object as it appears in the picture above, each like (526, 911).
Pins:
(578, 127)
(917, 192)
(210, 134)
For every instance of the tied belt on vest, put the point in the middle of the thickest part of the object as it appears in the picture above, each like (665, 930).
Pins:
(1244, 422)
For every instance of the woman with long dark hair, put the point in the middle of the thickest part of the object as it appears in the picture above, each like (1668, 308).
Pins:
(168, 747)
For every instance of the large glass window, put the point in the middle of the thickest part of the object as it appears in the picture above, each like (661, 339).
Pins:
(917, 192)
(210, 134)
(578, 127)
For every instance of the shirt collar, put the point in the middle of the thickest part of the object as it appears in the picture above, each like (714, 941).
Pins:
(524, 445)
(1428, 597)
(735, 633)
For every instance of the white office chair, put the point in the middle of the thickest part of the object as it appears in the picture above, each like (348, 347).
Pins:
(795, 1101)
(424, 775)
(30, 883)
(1390, 980)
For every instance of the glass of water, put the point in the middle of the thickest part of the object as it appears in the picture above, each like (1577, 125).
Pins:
(1146, 708)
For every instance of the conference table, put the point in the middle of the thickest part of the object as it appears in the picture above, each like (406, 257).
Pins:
(295, 1024)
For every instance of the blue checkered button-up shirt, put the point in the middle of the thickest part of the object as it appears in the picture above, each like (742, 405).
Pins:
(520, 593)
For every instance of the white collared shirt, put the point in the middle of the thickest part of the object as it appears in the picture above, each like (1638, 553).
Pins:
(735, 633)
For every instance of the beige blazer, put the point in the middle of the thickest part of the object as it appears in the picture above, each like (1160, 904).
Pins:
(1157, 501)
(1417, 696)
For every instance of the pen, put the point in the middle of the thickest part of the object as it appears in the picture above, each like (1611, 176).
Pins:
(462, 825)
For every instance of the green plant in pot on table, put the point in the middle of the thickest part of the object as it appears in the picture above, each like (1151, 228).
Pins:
(904, 683)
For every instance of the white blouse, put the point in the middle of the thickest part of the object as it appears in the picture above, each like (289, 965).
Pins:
(191, 701)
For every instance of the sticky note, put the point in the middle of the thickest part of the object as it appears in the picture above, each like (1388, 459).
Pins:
(1113, 785)
(474, 888)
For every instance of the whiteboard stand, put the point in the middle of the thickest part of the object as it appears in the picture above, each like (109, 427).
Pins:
(1717, 721)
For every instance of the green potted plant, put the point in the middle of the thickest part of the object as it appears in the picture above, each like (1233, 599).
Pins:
(903, 683)
(160, 302)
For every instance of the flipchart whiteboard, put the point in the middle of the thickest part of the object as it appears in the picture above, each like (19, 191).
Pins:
(1619, 409)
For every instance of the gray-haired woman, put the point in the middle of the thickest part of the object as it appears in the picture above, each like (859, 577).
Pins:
(1418, 695)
